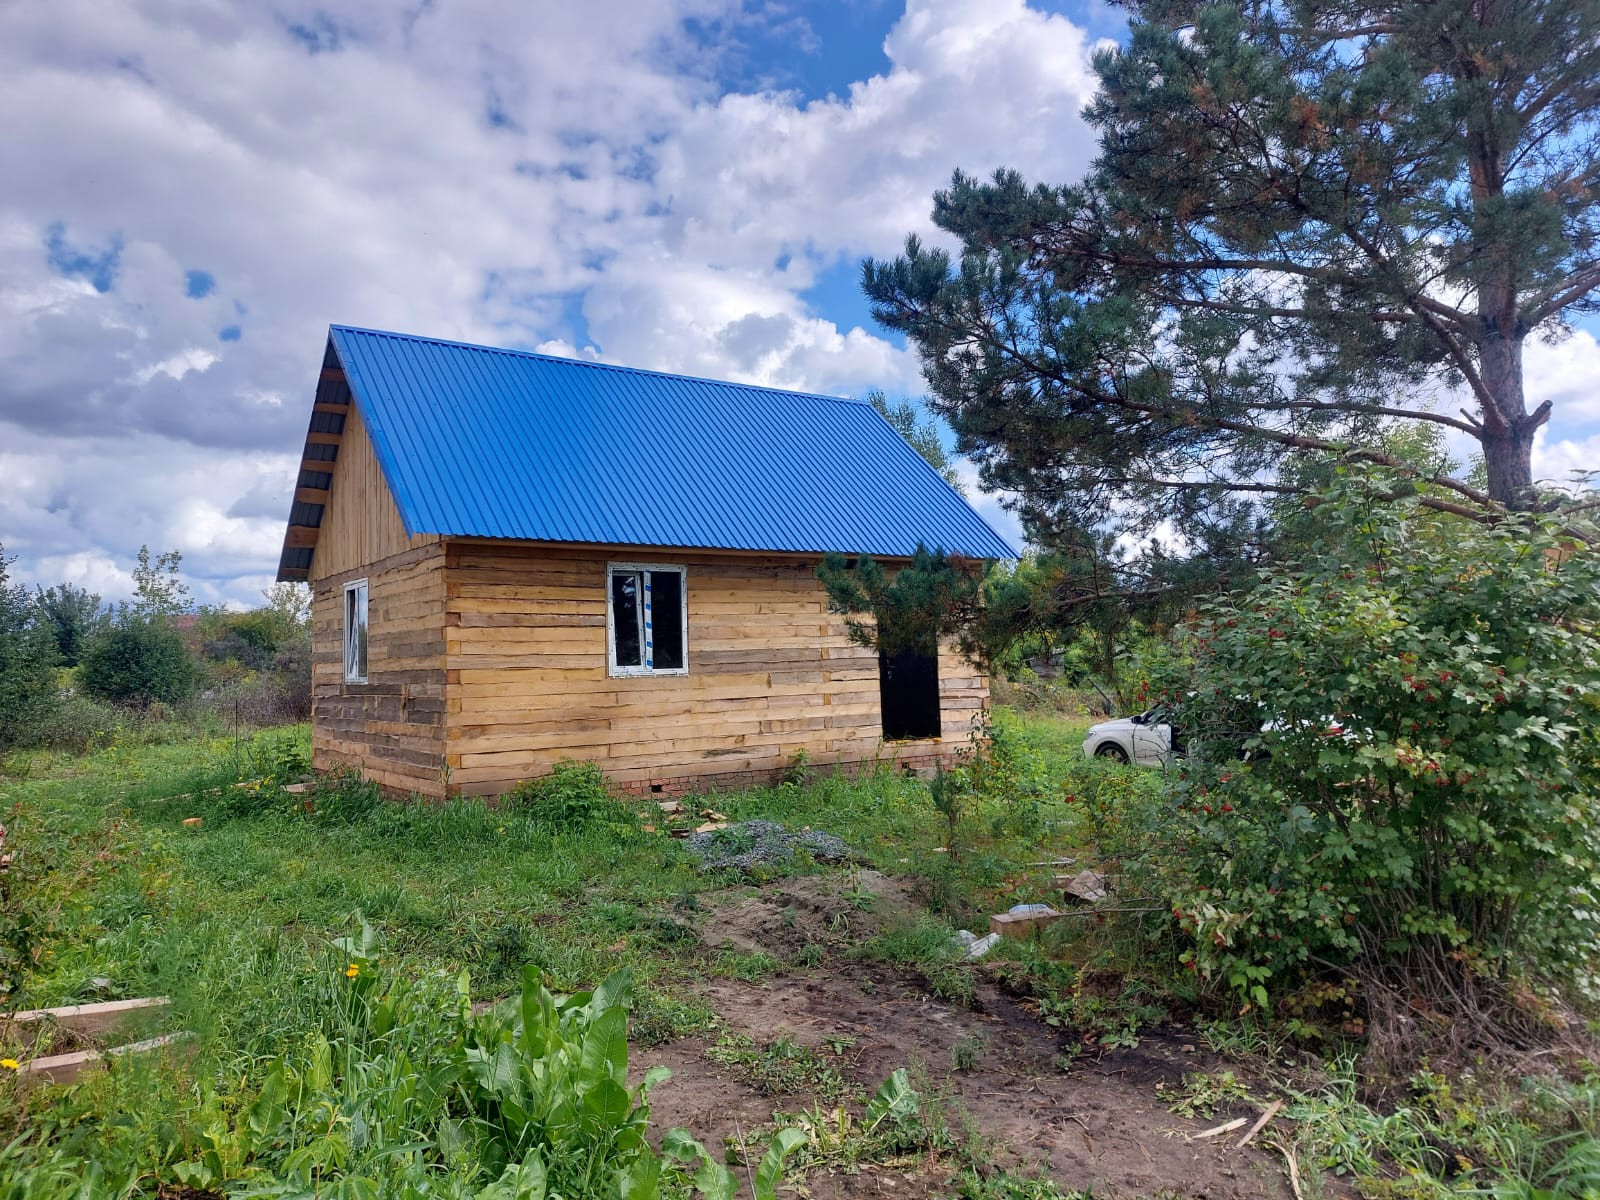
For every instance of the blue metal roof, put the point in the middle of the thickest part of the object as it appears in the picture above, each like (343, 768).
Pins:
(480, 442)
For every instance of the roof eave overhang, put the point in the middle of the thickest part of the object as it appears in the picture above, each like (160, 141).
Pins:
(324, 435)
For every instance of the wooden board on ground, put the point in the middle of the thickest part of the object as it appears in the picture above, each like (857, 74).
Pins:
(84, 1020)
(69, 1068)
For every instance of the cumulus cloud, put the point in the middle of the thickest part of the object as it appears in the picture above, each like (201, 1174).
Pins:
(195, 191)
(1567, 461)
(1564, 372)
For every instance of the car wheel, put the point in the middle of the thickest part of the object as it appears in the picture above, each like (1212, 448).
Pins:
(1112, 750)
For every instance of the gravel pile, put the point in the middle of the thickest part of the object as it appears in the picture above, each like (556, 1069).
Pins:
(746, 844)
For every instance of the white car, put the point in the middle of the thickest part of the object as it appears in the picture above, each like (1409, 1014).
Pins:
(1144, 739)
(1147, 739)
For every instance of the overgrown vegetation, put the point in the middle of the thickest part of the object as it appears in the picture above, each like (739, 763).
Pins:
(399, 1088)
(1394, 772)
(76, 674)
(110, 895)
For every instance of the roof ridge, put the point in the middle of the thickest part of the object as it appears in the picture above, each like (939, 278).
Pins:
(585, 362)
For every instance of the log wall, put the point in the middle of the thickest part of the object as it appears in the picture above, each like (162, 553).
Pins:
(771, 672)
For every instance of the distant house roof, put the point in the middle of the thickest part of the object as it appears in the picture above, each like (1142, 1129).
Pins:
(479, 442)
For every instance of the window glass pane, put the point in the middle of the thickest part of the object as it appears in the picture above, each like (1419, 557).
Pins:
(355, 632)
(349, 633)
(666, 620)
(625, 618)
(361, 631)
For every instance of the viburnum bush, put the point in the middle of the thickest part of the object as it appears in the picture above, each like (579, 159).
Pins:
(1393, 761)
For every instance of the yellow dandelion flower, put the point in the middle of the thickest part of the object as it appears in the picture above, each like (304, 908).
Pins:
(10, 1064)
(352, 971)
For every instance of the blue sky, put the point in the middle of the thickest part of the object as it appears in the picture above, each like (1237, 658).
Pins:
(821, 48)
(194, 192)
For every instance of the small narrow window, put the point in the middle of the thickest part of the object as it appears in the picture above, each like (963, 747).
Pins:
(646, 619)
(355, 631)
(666, 619)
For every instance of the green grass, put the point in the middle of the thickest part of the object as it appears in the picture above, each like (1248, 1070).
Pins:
(233, 920)
(783, 1067)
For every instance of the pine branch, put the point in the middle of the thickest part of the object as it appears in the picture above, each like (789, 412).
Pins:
(1573, 288)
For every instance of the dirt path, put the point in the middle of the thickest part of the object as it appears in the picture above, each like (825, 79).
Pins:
(1099, 1127)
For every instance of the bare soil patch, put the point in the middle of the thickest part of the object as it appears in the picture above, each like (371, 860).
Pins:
(830, 910)
(1099, 1127)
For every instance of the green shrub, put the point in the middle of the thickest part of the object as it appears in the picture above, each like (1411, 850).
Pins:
(574, 793)
(28, 657)
(279, 756)
(1423, 803)
(140, 661)
(79, 723)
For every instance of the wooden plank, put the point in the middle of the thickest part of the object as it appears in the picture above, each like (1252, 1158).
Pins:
(361, 526)
(69, 1068)
(83, 1019)
(533, 620)
(589, 605)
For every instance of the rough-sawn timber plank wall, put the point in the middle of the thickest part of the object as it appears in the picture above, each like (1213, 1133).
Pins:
(391, 728)
(771, 672)
(361, 525)
(486, 662)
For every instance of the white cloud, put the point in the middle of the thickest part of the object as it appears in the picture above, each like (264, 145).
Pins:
(180, 364)
(1565, 372)
(480, 170)
(82, 516)
(1559, 461)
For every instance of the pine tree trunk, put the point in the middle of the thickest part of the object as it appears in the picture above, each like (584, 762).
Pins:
(1507, 435)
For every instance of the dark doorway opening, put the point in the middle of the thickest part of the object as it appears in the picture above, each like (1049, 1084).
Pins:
(908, 688)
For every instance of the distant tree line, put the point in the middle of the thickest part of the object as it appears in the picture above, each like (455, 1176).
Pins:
(74, 670)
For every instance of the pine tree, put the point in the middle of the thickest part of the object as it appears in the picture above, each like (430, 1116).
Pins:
(1309, 224)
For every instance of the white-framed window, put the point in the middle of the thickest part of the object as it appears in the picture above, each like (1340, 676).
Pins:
(647, 619)
(355, 631)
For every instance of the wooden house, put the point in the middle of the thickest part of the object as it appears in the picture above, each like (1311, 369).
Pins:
(518, 559)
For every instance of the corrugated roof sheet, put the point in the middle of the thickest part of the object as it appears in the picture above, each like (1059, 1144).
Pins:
(480, 442)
